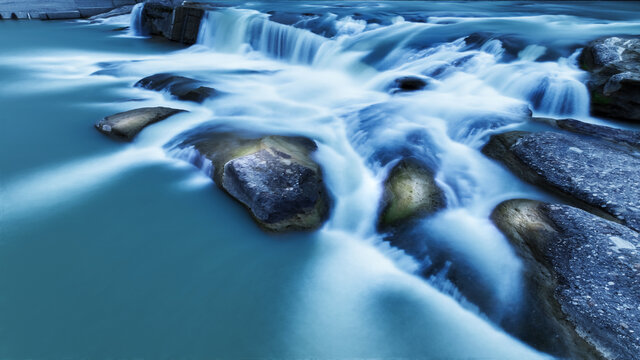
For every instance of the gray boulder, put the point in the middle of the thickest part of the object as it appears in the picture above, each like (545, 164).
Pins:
(274, 177)
(614, 64)
(585, 270)
(410, 191)
(594, 174)
(181, 87)
(126, 125)
(620, 136)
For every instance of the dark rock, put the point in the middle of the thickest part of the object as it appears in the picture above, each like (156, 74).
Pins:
(272, 176)
(126, 125)
(620, 136)
(409, 83)
(175, 22)
(181, 87)
(599, 176)
(410, 191)
(614, 64)
(586, 272)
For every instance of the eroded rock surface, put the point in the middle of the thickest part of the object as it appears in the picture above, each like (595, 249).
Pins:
(620, 136)
(272, 176)
(126, 125)
(181, 87)
(173, 20)
(586, 272)
(614, 64)
(594, 174)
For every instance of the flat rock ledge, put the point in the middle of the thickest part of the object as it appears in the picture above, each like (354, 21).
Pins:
(585, 270)
(274, 177)
(597, 175)
(58, 9)
(126, 125)
(614, 66)
(183, 88)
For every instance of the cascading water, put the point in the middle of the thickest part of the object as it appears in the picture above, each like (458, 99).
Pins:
(135, 27)
(330, 76)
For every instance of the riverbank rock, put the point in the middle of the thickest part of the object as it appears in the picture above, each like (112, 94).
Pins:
(410, 191)
(58, 9)
(173, 20)
(126, 125)
(274, 177)
(594, 174)
(181, 87)
(586, 272)
(614, 64)
(619, 136)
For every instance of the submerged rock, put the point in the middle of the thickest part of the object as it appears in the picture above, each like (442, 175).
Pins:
(409, 83)
(585, 271)
(181, 87)
(173, 20)
(614, 64)
(126, 125)
(409, 191)
(272, 176)
(594, 174)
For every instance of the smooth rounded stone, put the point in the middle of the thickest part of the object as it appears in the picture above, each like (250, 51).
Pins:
(594, 174)
(585, 271)
(126, 125)
(409, 83)
(181, 87)
(274, 177)
(614, 64)
(410, 191)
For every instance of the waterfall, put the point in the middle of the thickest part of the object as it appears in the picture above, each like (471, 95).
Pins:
(136, 28)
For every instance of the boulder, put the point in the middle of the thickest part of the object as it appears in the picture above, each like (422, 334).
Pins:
(585, 270)
(181, 87)
(619, 136)
(274, 177)
(173, 20)
(410, 191)
(126, 125)
(594, 174)
(614, 64)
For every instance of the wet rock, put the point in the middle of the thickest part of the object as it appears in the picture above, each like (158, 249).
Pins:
(409, 83)
(126, 125)
(597, 175)
(123, 10)
(619, 136)
(585, 272)
(272, 176)
(410, 191)
(614, 64)
(181, 87)
(173, 20)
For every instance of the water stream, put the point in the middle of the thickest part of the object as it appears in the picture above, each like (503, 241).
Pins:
(120, 250)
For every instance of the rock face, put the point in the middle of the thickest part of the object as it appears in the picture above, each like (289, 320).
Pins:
(273, 176)
(586, 271)
(181, 87)
(173, 20)
(126, 125)
(614, 64)
(58, 9)
(594, 174)
(409, 191)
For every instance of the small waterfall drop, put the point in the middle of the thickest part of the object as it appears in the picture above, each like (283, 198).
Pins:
(136, 28)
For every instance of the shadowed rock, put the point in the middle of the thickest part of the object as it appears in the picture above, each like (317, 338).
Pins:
(614, 64)
(126, 125)
(273, 176)
(585, 271)
(410, 191)
(596, 175)
(181, 87)
(173, 20)
(409, 83)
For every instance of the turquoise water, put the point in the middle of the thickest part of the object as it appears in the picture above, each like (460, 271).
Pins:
(113, 250)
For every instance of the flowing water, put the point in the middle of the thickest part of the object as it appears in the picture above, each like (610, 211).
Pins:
(121, 250)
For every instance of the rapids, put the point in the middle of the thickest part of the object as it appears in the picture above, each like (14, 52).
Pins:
(145, 253)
